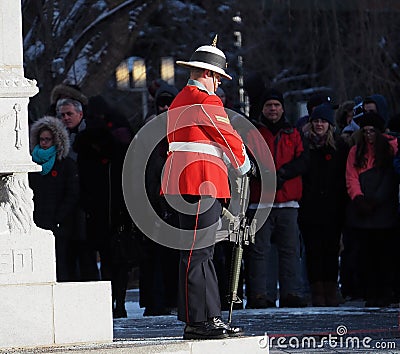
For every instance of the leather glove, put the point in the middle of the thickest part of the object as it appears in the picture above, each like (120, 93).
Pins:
(279, 180)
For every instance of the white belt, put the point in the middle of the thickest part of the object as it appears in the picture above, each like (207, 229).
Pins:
(196, 147)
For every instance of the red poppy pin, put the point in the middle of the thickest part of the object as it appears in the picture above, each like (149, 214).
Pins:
(54, 173)
(104, 161)
(328, 157)
(109, 124)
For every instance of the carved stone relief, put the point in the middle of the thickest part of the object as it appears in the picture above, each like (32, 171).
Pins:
(16, 203)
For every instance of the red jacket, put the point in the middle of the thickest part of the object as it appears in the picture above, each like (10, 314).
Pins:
(286, 149)
(197, 119)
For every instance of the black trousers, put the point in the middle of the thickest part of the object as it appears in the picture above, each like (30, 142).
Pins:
(322, 252)
(158, 279)
(377, 261)
(198, 293)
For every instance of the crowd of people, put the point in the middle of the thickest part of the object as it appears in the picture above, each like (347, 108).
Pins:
(332, 228)
(81, 145)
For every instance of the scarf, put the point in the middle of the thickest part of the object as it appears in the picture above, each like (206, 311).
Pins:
(45, 158)
(317, 141)
(273, 127)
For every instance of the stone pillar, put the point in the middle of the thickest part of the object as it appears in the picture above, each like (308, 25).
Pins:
(35, 309)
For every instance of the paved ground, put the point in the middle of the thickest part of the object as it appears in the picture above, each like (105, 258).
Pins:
(347, 327)
(301, 321)
(350, 328)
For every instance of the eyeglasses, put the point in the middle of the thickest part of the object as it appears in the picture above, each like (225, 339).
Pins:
(46, 140)
(369, 131)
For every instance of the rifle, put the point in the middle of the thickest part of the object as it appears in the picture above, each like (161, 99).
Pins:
(241, 232)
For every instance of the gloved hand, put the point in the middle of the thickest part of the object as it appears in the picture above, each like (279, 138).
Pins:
(364, 206)
(253, 170)
(279, 179)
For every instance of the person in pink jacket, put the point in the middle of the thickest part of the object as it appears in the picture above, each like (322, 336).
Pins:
(372, 214)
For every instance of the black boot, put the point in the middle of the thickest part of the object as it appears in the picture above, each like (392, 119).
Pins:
(259, 301)
(204, 330)
(318, 294)
(120, 312)
(233, 331)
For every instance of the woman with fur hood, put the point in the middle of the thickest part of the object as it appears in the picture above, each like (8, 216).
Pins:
(55, 188)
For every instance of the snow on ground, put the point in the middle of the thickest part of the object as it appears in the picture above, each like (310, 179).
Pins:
(356, 308)
(132, 304)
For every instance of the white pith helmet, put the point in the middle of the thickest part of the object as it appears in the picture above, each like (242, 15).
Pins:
(208, 57)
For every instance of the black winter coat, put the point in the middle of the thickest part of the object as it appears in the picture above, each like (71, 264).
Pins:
(56, 196)
(380, 187)
(100, 161)
(324, 186)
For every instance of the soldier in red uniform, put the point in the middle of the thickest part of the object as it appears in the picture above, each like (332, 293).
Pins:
(202, 146)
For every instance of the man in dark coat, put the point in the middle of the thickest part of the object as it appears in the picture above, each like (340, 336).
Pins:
(101, 149)
(70, 112)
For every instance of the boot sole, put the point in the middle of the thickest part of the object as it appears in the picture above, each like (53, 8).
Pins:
(240, 334)
(197, 336)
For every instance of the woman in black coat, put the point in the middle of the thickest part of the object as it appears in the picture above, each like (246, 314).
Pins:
(55, 188)
(321, 213)
(372, 215)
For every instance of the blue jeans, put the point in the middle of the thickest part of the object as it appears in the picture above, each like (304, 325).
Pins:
(281, 229)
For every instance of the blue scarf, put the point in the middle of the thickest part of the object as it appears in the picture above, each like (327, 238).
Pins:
(44, 157)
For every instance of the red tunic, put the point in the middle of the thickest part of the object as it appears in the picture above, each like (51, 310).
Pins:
(195, 116)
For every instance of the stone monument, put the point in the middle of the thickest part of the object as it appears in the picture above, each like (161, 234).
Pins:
(35, 309)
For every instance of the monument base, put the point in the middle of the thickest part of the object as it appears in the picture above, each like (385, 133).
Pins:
(27, 258)
(35, 309)
(35, 315)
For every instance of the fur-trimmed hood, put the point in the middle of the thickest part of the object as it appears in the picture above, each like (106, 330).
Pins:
(59, 131)
(63, 90)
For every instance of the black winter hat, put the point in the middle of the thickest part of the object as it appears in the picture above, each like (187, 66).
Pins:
(317, 99)
(272, 94)
(372, 119)
(323, 111)
(165, 95)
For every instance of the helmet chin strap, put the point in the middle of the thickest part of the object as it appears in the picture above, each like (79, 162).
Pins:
(215, 82)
